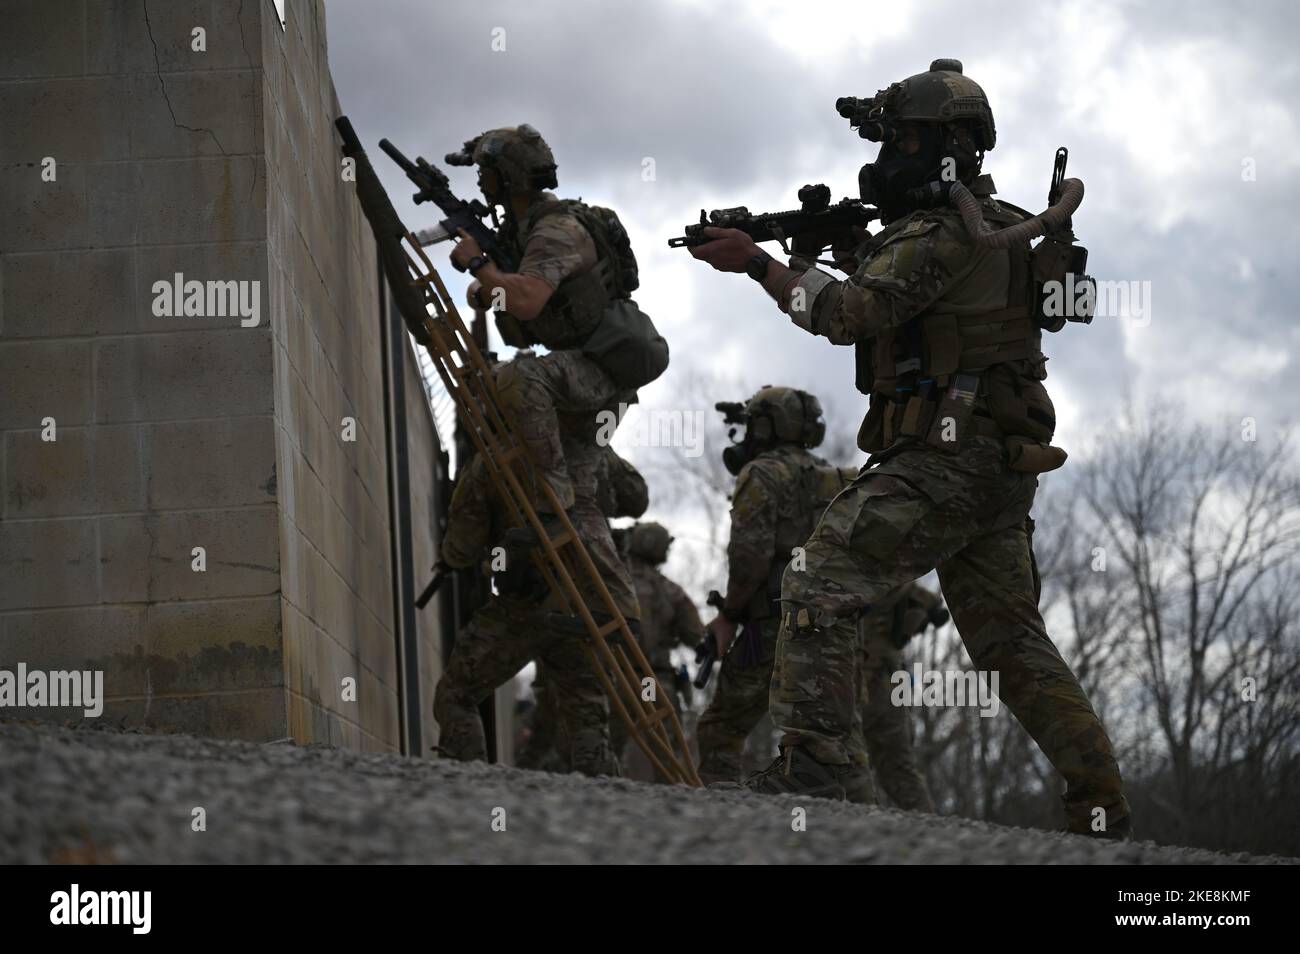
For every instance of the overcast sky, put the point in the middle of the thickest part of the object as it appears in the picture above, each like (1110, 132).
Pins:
(1163, 106)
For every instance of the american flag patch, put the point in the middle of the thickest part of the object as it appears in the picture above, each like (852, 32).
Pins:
(962, 390)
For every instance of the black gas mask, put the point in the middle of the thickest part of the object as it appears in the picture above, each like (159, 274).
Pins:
(736, 456)
(887, 182)
(739, 453)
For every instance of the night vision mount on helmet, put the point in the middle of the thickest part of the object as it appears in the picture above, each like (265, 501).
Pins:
(941, 95)
(518, 154)
(772, 416)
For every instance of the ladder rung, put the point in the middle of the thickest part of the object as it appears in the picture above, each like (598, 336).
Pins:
(561, 540)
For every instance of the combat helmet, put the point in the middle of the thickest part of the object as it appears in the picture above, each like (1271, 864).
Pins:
(955, 120)
(518, 154)
(649, 541)
(777, 414)
(943, 94)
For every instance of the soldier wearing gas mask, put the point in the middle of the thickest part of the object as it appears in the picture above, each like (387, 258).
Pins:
(942, 309)
(781, 490)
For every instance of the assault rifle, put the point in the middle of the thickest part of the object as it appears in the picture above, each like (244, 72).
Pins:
(435, 187)
(706, 653)
(816, 218)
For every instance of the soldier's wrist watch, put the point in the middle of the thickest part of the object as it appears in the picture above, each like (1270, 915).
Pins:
(756, 267)
(475, 263)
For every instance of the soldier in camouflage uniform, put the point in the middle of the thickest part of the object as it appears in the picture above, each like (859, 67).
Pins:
(621, 491)
(570, 293)
(943, 313)
(668, 617)
(512, 627)
(886, 728)
(781, 490)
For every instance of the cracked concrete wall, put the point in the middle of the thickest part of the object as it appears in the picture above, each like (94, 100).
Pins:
(173, 432)
(163, 427)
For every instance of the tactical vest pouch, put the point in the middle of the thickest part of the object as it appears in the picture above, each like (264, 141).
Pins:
(627, 345)
(1026, 456)
(512, 331)
(871, 435)
(521, 581)
(951, 424)
(612, 242)
(1051, 260)
(864, 376)
(1020, 405)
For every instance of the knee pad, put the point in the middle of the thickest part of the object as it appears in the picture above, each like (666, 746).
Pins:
(516, 380)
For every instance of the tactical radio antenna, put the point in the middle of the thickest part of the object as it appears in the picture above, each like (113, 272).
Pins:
(611, 647)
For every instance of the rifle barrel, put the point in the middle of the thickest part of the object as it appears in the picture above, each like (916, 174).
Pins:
(396, 155)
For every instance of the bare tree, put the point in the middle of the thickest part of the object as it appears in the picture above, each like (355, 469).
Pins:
(1205, 529)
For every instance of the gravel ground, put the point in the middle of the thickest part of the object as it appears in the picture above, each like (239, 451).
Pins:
(94, 795)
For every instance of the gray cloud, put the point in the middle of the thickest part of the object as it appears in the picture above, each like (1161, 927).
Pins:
(1159, 104)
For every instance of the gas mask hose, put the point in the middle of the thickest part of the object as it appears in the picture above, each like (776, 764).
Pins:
(1047, 221)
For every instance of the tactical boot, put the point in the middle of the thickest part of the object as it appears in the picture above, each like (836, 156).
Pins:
(1080, 817)
(795, 772)
(1121, 830)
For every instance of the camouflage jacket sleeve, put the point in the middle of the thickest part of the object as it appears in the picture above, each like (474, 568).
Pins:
(559, 247)
(753, 534)
(898, 279)
(469, 518)
(687, 627)
(629, 495)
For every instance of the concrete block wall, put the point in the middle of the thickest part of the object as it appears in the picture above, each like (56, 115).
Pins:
(335, 545)
(163, 427)
(177, 432)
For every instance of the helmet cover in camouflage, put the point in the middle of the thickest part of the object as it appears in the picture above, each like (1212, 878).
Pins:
(940, 95)
(785, 414)
(650, 542)
(519, 154)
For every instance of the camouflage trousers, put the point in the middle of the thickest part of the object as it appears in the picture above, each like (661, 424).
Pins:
(593, 529)
(739, 701)
(965, 514)
(497, 642)
(886, 729)
(554, 400)
(539, 752)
